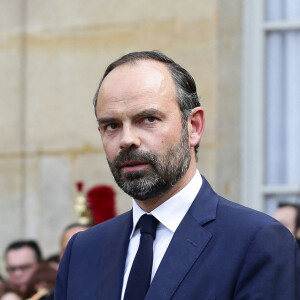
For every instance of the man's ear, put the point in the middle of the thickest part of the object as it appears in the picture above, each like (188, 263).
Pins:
(196, 125)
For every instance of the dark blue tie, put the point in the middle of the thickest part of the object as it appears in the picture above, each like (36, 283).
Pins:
(140, 273)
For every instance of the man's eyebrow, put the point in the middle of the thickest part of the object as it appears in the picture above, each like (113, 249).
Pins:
(106, 120)
(148, 112)
(143, 113)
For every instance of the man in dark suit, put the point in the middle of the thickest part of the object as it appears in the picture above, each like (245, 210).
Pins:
(205, 247)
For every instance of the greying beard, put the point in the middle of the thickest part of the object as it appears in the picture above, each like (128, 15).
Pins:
(164, 173)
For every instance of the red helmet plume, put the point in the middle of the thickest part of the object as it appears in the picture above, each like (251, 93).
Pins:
(101, 201)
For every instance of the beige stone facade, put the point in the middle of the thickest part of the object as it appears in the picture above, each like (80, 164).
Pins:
(52, 55)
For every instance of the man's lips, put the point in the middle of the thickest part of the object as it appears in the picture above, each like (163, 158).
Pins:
(130, 166)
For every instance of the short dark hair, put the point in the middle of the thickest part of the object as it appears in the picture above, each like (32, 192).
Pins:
(52, 258)
(26, 243)
(297, 207)
(186, 88)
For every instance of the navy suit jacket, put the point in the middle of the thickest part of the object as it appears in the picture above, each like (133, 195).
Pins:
(221, 250)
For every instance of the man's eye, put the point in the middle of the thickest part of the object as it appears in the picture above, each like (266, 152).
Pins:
(111, 127)
(149, 120)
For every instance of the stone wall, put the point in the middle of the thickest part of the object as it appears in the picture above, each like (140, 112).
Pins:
(52, 55)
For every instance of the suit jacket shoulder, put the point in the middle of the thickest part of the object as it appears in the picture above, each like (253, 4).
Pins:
(222, 250)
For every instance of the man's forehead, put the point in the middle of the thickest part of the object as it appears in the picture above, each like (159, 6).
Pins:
(287, 210)
(142, 64)
(286, 215)
(142, 85)
(20, 253)
(142, 73)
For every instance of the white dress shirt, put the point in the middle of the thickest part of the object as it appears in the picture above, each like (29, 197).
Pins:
(169, 214)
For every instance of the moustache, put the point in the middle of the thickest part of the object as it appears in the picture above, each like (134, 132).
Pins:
(129, 155)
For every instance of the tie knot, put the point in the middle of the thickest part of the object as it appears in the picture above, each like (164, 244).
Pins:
(148, 224)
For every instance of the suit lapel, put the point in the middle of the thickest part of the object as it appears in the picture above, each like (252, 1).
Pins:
(186, 246)
(113, 260)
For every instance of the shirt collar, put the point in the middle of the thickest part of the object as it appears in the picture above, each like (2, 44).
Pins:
(171, 212)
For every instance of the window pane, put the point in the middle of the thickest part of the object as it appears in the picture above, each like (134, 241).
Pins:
(283, 108)
(275, 135)
(275, 10)
(278, 10)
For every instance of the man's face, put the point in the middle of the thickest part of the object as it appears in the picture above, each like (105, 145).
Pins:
(287, 216)
(20, 265)
(147, 149)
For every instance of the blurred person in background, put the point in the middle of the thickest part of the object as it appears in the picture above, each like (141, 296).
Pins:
(22, 258)
(53, 260)
(289, 215)
(7, 292)
(2, 286)
(42, 282)
(68, 232)
(11, 295)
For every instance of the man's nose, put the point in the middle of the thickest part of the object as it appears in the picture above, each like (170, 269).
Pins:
(129, 138)
(18, 273)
